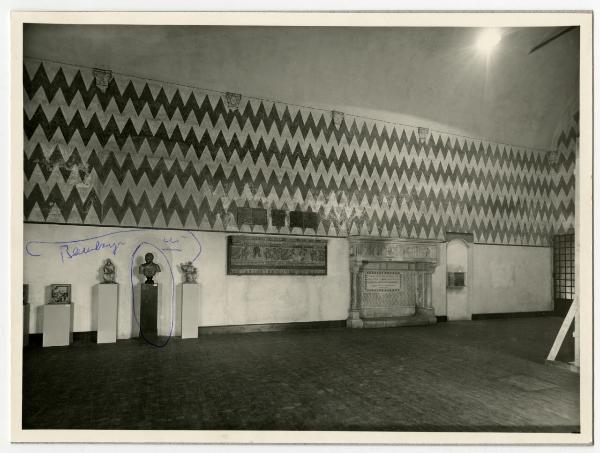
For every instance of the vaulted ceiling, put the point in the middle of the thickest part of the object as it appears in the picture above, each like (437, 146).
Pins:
(420, 76)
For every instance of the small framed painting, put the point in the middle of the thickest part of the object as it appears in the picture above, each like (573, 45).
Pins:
(456, 280)
(60, 293)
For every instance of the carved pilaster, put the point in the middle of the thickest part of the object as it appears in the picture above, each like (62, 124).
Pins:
(354, 314)
(429, 288)
(426, 311)
(419, 289)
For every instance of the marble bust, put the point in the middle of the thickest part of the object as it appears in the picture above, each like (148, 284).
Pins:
(190, 272)
(108, 272)
(149, 269)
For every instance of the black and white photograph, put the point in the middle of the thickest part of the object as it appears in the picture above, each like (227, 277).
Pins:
(356, 228)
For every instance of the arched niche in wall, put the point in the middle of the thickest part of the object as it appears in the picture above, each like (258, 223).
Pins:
(459, 270)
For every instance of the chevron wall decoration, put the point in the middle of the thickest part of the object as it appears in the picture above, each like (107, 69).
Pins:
(563, 175)
(140, 153)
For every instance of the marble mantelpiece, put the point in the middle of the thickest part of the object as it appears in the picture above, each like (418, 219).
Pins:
(391, 281)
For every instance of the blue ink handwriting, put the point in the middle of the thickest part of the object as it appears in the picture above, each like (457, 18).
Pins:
(30, 244)
(74, 251)
(72, 248)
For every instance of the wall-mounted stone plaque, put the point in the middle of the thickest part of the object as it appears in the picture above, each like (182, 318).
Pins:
(382, 281)
(304, 219)
(296, 219)
(259, 216)
(386, 292)
(310, 220)
(278, 217)
(456, 280)
(256, 255)
(244, 216)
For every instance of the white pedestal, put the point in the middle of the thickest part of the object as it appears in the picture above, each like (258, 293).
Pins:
(26, 310)
(58, 325)
(190, 294)
(108, 301)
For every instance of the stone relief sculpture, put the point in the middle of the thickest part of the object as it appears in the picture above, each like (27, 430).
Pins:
(60, 293)
(149, 269)
(250, 255)
(108, 272)
(189, 272)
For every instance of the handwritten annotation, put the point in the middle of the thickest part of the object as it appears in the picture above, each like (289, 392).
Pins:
(74, 248)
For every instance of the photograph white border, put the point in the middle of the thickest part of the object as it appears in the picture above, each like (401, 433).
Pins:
(424, 19)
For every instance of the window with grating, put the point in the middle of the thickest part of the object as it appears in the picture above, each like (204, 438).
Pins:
(564, 266)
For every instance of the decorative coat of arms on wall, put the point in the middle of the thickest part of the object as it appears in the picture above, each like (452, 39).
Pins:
(337, 117)
(233, 100)
(102, 78)
(553, 157)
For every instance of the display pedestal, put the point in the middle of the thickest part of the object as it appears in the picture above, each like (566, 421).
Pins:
(189, 310)
(26, 310)
(58, 325)
(149, 309)
(108, 300)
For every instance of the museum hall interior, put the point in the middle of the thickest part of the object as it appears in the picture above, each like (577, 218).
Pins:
(300, 228)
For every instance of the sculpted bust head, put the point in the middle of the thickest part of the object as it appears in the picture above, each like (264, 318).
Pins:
(149, 269)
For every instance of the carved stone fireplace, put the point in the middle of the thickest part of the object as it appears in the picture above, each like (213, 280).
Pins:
(391, 282)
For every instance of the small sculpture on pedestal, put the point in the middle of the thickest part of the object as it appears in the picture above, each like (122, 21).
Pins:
(149, 269)
(108, 272)
(190, 272)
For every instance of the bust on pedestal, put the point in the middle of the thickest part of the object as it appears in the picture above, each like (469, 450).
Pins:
(149, 297)
(108, 301)
(189, 301)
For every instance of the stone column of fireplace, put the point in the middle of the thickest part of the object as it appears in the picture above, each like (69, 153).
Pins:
(426, 309)
(354, 315)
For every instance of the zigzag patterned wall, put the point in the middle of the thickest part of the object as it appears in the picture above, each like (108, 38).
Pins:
(564, 174)
(148, 154)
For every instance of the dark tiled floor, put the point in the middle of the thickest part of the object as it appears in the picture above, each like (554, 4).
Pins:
(475, 375)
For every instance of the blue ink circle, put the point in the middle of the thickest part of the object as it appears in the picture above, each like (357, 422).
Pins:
(173, 305)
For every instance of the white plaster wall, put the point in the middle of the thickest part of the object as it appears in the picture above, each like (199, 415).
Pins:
(231, 299)
(224, 300)
(511, 279)
(505, 279)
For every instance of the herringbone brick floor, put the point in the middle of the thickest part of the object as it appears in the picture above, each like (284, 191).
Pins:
(474, 375)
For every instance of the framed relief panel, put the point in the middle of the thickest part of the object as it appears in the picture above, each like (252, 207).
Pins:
(60, 293)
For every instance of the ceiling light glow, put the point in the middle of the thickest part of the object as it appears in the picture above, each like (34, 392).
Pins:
(488, 40)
